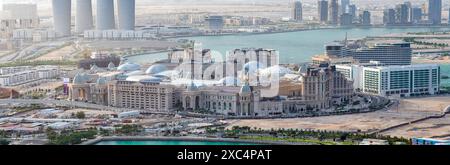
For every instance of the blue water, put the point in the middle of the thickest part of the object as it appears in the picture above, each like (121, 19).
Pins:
(169, 142)
(294, 47)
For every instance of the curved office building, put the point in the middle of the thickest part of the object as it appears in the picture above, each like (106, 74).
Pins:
(126, 14)
(105, 15)
(84, 19)
(62, 16)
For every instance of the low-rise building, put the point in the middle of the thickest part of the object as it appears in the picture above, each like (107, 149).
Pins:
(13, 76)
(402, 81)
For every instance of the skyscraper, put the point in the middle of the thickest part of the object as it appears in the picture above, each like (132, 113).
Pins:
(62, 16)
(402, 14)
(389, 17)
(323, 10)
(416, 15)
(346, 19)
(84, 19)
(365, 18)
(334, 12)
(105, 15)
(344, 6)
(297, 13)
(435, 11)
(352, 10)
(126, 14)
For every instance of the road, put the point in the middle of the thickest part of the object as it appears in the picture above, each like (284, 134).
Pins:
(73, 104)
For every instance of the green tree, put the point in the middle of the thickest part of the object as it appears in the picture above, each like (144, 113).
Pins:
(4, 142)
(80, 115)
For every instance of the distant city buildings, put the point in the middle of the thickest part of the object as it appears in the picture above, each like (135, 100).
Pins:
(84, 21)
(333, 12)
(297, 13)
(17, 16)
(62, 17)
(105, 19)
(215, 23)
(345, 6)
(365, 18)
(352, 10)
(346, 19)
(389, 17)
(33, 35)
(387, 54)
(126, 14)
(12, 76)
(435, 12)
(406, 14)
(84, 18)
(323, 11)
(416, 15)
(402, 14)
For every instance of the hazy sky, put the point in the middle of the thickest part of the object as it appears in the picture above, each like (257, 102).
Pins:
(44, 5)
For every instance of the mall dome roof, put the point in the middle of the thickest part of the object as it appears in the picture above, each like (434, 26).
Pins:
(101, 81)
(245, 89)
(128, 67)
(155, 69)
(253, 67)
(134, 73)
(276, 69)
(229, 81)
(144, 79)
(80, 79)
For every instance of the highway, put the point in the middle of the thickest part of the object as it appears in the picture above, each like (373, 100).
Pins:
(72, 104)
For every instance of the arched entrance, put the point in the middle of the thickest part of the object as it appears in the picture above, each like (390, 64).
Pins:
(197, 102)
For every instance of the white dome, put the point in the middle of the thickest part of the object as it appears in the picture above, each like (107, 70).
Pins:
(80, 79)
(134, 73)
(253, 67)
(155, 69)
(128, 67)
(282, 71)
(144, 79)
(245, 89)
(229, 81)
(101, 81)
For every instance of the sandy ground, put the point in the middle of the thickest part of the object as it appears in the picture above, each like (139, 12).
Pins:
(429, 61)
(408, 110)
(434, 128)
(45, 85)
(57, 54)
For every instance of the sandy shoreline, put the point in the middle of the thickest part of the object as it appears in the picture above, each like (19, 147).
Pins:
(424, 61)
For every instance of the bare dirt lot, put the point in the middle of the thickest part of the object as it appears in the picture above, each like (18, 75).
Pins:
(408, 110)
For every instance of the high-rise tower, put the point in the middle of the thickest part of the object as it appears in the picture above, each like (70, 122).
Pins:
(105, 15)
(126, 14)
(344, 6)
(62, 16)
(334, 12)
(297, 12)
(435, 11)
(323, 10)
(83, 19)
